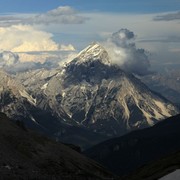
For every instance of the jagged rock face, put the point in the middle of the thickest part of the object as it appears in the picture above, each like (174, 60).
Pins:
(14, 99)
(39, 109)
(95, 94)
(18, 104)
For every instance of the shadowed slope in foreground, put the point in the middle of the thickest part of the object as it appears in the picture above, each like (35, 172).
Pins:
(156, 169)
(125, 154)
(26, 155)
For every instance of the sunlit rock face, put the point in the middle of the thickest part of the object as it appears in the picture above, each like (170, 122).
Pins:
(93, 93)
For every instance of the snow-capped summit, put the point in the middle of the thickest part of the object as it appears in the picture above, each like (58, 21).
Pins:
(94, 52)
(91, 65)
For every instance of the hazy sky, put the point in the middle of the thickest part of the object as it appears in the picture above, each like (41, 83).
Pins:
(52, 25)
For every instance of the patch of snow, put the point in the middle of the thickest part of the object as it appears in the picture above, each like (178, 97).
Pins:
(137, 123)
(164, 110)
(148, 117)
(172, 176)
(32, 118)
(70, 115)
(63, 71)
(28, 97)
(83, 88)
(63, 94)
(85, 50)
(44, 86)
(110, 85)
(92, 48)
(126, 110)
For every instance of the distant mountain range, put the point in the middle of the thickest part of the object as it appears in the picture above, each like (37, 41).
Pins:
(84, 102)
(148, 148)
(166, 83)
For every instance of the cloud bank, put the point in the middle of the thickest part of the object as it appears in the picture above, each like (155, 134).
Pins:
(60, 15)
(25, 38)
(168, 17)
(123, 52)
(20, 62)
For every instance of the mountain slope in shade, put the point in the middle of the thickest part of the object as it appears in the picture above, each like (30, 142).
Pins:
(26, 155)
(97, 95)
(160, 169)
(125, 154)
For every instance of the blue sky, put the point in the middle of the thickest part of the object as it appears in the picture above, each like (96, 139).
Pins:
(130, 6)
(60, 24)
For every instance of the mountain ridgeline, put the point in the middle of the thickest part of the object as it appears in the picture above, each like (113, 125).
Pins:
(87, 100)
(124, 155)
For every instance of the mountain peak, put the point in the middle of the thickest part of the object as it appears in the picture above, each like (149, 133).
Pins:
(94, 52)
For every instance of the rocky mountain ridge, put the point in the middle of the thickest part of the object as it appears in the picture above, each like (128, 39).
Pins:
(92, 93)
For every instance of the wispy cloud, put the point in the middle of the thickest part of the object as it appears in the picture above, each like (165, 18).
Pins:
(60, 15)
(168, 17)
(163, 39)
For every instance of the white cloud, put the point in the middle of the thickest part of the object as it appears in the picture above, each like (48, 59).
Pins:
(60, 15)
(43, 57)
(8, 59)
(69, 47)
(36, 57)
(123, 52)
(25, 38)
(101, 25)
(20, 62)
